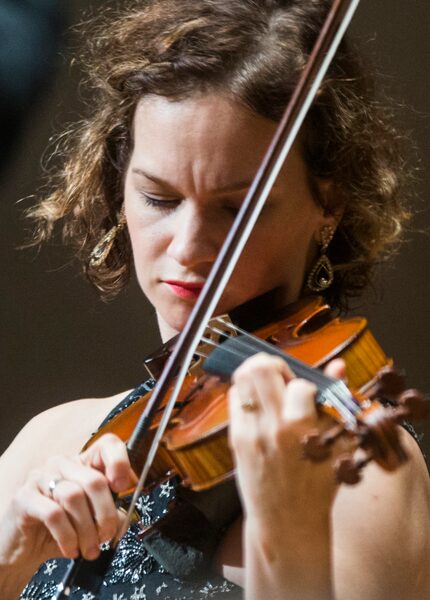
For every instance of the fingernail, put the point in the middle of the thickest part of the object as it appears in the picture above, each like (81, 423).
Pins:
(92, 553)
(73, 553)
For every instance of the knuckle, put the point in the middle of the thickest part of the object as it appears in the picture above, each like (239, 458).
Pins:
(263, 364)
(95, 482)
(108, 527)
(35, 475)
(54, 516)
(67, 542)
(71, 497)
(302, 386)
(239, 373)
(247, 368)
(68, 548)
(111, 439)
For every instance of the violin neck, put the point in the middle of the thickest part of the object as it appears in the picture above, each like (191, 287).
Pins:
(229, 355)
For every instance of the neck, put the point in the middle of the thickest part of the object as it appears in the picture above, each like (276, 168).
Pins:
(166, 332)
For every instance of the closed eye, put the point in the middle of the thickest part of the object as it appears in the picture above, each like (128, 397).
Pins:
(161, 203)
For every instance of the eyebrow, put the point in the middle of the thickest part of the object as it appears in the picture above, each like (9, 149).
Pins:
(233, 187)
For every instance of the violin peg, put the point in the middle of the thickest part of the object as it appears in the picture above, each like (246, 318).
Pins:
(316, 445)
(412, 405)
(314, 448)
(348, 469)
(390, 382)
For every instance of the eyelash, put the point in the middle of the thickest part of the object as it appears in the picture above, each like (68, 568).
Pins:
(168, 205)
(158, 203)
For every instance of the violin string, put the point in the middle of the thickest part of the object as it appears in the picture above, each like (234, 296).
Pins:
(211, 342)
(201, 354)
(341, 399)
(300, 368)
(328, 397)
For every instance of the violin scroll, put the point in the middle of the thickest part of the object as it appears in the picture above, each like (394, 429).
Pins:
(376, 433)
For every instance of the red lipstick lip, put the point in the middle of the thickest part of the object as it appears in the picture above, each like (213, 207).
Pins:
(187, 285)
(184, 289)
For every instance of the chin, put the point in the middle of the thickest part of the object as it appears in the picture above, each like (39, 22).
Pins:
(175, 318)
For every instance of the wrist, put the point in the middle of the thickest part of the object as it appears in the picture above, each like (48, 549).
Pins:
(291, 561)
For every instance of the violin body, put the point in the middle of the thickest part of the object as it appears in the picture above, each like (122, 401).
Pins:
(195, 445)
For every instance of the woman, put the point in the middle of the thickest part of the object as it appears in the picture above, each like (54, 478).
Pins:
(188, 96)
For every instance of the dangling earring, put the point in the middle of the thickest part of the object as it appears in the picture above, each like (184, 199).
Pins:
(321, 276)
(101, 251)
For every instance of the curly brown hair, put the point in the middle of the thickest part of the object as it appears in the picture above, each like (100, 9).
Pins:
(253, 50)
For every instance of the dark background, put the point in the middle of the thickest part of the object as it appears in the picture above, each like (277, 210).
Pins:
(60, 342)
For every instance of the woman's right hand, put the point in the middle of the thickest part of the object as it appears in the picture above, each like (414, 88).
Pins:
(66, 508)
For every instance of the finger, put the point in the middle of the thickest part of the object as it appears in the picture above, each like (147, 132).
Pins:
(32, 506)
(247, 368)
(299, 401)
(336, 368)
(243, 423)
(98, 496)
(109, 455)
(71, 497)
(243, 404)
(264, 377)
(269, 382)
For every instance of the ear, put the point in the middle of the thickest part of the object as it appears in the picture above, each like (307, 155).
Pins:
(332, 207)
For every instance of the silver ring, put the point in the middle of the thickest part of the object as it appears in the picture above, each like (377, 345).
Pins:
(249, 405)
(52, 485)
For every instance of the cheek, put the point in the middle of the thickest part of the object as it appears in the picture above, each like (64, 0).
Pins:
(282, 239)
(147, 241)
(146, 232)
(278, 254)
(147, 244)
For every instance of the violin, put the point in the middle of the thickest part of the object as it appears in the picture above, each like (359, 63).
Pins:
(195, 445)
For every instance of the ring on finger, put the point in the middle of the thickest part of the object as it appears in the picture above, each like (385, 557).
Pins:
(52, 486)
(249, 404)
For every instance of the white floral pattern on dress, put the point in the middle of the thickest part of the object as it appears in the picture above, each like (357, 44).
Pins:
(50, 567)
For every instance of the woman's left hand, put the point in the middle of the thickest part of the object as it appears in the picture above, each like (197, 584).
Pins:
(286, 499)
(271, 412)
(303, 538)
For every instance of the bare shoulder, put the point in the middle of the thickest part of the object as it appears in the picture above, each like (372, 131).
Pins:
(63, 429)
(73, 422)
(389, 493)
(381, 530)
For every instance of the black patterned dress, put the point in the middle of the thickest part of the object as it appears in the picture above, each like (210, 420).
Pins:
(134, 573)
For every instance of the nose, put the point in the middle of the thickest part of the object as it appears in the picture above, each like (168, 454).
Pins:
(195, 240)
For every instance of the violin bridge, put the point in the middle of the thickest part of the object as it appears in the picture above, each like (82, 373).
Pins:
(218, 329)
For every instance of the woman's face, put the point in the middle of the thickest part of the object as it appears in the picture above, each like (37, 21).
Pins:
(192, 164)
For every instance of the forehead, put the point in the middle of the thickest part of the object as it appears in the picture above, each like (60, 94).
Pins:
(214, 112)
(204, 127)
(205, 143)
